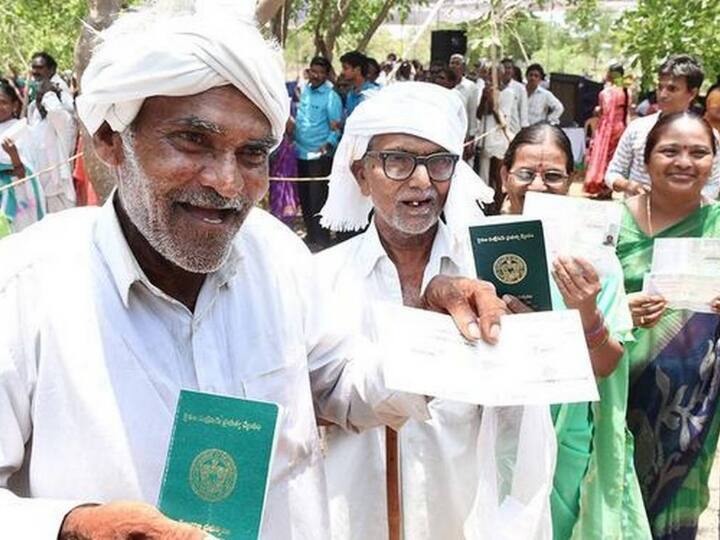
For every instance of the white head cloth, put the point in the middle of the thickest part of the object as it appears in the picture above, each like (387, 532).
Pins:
(421, 109)
(181, 48)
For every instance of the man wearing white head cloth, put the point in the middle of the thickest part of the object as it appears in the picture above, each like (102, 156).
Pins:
(177, 282)
(401, 158)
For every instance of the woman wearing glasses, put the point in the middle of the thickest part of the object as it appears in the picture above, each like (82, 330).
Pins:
(674, 372)
(595, 491)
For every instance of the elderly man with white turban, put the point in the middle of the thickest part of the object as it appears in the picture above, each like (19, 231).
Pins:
(176, 282)
(401, 158)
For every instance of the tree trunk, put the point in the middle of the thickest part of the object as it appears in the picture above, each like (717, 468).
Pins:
(267, 9)
(332, 32)
(379, 19)
(100, 15)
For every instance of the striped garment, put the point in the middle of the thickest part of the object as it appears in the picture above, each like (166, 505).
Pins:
(628, 162)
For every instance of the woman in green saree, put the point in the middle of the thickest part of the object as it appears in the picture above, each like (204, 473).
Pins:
(22, 204)
(595, 492)
(674, 372)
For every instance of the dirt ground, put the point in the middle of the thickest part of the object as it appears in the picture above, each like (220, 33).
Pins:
(709, 527)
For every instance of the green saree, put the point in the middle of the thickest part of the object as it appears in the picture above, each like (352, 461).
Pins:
(595, 491)
(674, 381)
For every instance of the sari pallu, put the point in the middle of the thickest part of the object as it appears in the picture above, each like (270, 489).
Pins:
(674, 382)
(23, 204)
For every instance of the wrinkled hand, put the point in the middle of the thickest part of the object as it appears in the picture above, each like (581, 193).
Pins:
(125, 520)
(646, 310)
(468, 150)
(578, 282)
(473, 304)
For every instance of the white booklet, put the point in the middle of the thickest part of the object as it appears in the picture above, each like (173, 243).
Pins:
(540, 358)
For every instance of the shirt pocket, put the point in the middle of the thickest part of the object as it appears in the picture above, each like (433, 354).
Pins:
(288, 385)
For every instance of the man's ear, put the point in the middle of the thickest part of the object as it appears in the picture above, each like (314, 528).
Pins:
(358, 170)
(108, 145)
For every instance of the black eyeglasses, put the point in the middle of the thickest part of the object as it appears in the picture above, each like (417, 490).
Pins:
(550, 178)
(399, 165)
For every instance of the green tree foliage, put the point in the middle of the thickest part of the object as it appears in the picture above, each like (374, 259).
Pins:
(28, 26)
(658, 28)
(342, 25)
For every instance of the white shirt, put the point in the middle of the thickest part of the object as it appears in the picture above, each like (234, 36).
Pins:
(544, 106)
(53, 140)
(438, 459)
(496, 143)
(518, 117)
(93, 357)
(628, 161)
(470, 96)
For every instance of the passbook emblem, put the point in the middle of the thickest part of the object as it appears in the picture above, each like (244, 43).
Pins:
(510, 268)
(213, 475)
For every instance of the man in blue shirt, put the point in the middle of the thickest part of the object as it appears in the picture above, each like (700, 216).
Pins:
(317, 132)
(355, 70)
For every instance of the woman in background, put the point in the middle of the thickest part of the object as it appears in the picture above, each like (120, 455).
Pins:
(22, 204)
(613, 105)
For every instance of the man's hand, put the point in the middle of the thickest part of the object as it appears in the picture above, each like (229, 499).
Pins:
(631, 187)
(124, 520)
(646, 310)
(715, 305)
(469, 149)
(473, 304)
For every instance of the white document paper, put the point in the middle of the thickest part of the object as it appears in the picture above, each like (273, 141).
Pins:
(685, 272)
(697, 256)
(576, 226)
(577, 219)
(540, 358)
(684, 291)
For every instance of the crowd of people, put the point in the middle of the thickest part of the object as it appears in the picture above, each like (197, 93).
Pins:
(179, 281)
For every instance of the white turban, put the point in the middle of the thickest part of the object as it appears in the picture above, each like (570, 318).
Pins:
(421, 109)
(181, 48)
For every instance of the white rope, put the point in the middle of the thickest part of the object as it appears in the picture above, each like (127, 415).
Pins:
(35, 175)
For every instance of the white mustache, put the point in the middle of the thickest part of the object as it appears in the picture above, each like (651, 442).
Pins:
(211, 199)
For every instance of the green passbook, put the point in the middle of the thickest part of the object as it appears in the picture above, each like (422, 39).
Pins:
(218, 464)
(511, 255)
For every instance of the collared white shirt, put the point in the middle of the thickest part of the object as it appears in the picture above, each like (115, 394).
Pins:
(518, 117)
(544, 106)
(53, 141)
(628, 161)
(438, 461)
(470, 95)
(93, 357)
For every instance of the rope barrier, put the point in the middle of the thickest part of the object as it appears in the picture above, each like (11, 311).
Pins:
(272, 178)
(35, 175)
(324, 178)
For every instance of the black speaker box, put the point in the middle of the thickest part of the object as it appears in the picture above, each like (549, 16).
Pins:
(578, 94)
(444, 43)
